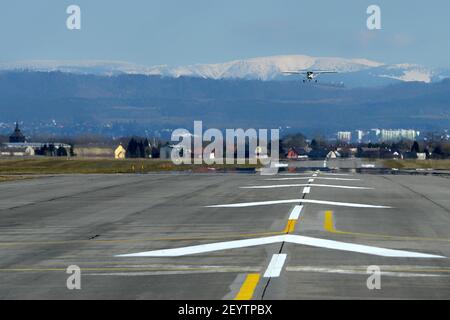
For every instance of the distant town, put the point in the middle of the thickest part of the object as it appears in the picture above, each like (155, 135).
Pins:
(372, 143)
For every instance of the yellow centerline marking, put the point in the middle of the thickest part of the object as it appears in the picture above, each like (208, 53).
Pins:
(290, 226)
(328, 225)
(248, 287)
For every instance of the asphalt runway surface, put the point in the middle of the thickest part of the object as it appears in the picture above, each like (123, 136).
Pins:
(226, 236)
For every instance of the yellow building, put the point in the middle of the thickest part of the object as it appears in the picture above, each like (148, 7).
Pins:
(120, 152)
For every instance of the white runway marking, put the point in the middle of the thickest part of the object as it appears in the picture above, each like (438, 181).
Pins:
(295, 214)
(306, 178)
(178, 270)
(302, 240)
(347, 270)
(275, 266)
(203, 248)
(273, 202)
(336, 174)
(306, 190)
(305, 185)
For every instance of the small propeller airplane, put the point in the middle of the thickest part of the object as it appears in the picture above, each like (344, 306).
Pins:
(310, 75)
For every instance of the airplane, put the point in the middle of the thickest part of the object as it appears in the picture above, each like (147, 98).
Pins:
(310, 75)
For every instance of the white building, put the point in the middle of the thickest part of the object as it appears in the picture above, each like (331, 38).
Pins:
(397, 135)
(344, 136)
(360, 135)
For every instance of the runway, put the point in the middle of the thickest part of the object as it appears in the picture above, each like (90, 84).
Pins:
(226, 236)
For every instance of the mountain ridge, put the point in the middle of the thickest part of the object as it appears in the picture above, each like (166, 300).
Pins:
(131, 104)
(352, 71)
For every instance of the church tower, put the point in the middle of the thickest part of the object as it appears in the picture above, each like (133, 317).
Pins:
(17, 136)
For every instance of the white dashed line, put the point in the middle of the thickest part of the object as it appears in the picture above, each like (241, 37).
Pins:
(295, 214)
(275, 266)
(346, 270)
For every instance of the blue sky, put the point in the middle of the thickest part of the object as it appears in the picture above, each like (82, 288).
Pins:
(179, 32)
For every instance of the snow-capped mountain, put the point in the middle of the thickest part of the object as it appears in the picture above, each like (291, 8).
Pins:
(351, 71)
(269, 68)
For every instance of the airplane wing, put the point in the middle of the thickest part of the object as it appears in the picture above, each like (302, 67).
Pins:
(320, 72)
(294, 72)
(309, 71)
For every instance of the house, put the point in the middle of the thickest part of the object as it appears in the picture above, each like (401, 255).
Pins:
(120, 152)
(333, 155)
(415, 155)
(292, 154)
(421, 156)
(23, 151)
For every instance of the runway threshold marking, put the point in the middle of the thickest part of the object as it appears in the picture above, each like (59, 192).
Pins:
(248, 287)
(328, 225)
(275, 266)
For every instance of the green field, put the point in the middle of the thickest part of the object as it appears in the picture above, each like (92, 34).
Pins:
(417, 164)
(68, 166)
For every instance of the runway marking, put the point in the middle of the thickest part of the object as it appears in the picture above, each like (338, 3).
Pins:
(306, 190)
(322, 173)
(205, 248)
(328, 225)
(113, 241)
(347, 270)
(147, 270)
(273, 202)
(305, 185)
(275, 266)
(302, 240)
(335, 174)
(313, 177)
(248, 287)
(290, 226)
(295, 214)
